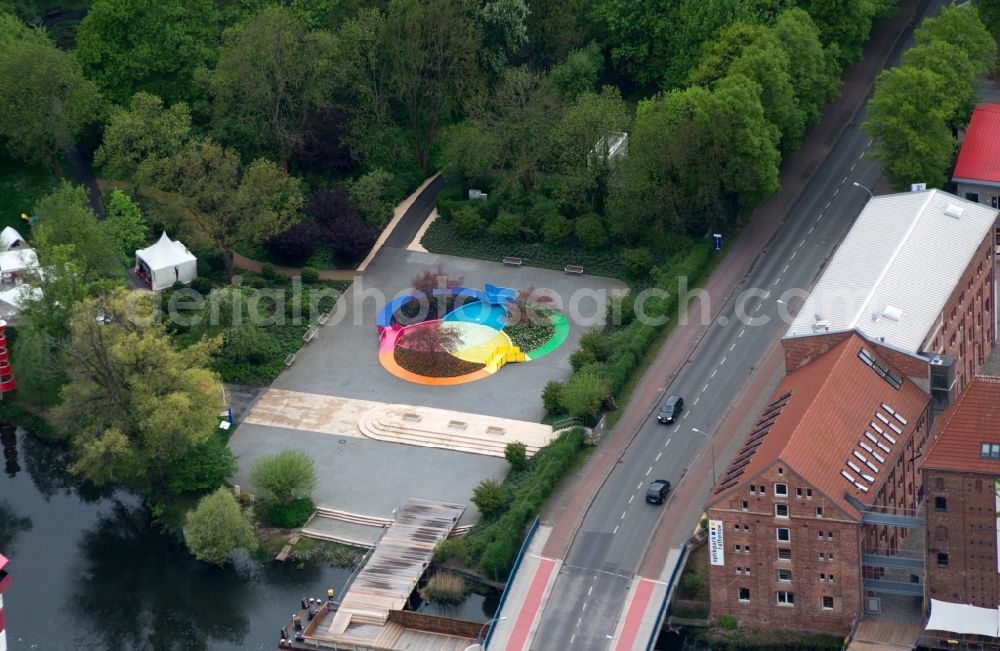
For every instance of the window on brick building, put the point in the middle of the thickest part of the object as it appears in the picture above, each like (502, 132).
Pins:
(737, 526)
(781, 510)
(829, 535)
(784, 575)
(753, 489)
(785, 598)
(940, 503)
(762, 490)
(829, 556)
(819, 534)
(989, 451)
(827, 603)
(744, 594)
(784, 554)
(781, 470)
(819, 511)
(809, 493)
(739, 548)
(822, 577)
(745, 505)
(798, 492)
(830, 578)
(942, 559)
(783, 534)
(746, 548)
(781, 489)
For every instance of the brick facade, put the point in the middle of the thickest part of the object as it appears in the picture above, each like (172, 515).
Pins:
(823, 558)
(963, 528)
(965, 328)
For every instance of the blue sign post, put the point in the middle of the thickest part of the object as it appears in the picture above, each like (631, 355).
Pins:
(717, 241)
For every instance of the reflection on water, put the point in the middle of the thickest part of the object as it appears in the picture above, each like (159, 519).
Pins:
(90, 571)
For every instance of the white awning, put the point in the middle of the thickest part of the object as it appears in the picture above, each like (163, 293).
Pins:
(18, 297)
(963, 619)
(18, 260)
(10, 239)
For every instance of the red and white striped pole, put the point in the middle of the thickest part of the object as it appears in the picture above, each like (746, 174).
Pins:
(7, 382)
(4, 584)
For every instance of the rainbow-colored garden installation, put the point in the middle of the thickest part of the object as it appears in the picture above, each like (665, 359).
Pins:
(470, 342)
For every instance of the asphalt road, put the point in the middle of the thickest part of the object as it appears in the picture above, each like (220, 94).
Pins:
(590, 592)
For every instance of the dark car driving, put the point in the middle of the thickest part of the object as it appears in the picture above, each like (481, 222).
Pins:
(657, 491)
(671, 409)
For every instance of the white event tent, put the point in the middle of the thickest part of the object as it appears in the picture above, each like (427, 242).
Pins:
(963, 619)
(165, 263)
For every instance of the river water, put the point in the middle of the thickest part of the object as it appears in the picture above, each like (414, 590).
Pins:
(90, 571)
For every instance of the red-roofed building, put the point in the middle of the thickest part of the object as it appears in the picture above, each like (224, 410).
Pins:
(977, 172)
(789, 520)
(962, 478)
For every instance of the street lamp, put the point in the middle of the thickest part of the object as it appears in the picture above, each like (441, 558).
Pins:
(711, 446)
(871, 195)
(480, 642)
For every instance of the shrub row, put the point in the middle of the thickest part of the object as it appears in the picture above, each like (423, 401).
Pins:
(753, 639)
(495, 542)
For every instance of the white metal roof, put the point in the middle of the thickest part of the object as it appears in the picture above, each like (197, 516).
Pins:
(963, 619)
(165, 253)
(893, 273)
(17, 260)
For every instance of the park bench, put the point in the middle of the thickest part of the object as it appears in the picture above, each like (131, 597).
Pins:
(309, 335)
(573, 269)
(513, 261)
(412, 417)
(458, 424)
(496, 431)
(290, 360)
(323, 318)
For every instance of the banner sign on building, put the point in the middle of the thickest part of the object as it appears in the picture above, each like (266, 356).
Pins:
(996, 505)
(716, 544)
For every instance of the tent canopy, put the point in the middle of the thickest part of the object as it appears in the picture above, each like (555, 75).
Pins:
(9, 239)
(18, 297)
(963, 619)
(17, 260)
(167, 262)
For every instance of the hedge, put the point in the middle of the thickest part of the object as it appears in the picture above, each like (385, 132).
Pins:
(755, 639)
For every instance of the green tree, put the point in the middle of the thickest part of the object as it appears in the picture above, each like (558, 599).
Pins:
(468, 150)
(46, 100)
(584, 393)
(432, 47)
(765, 62)
(490, 497)
(551, 396)
(203, 467)
(915, 142)
(502, 23)
(125, 224)
(217, 527)
(578, 72)
(814, 74)
(39, 373)
(63, 283)
(960, 26)
(139, 138)
(952, 64)
(134, 403)
(844, 26)
(247, 343)
(370, 196)
(516, 454)
(127, 46)
(272, 74)
(284, 477)
(719, 53)
(989, 13)
(65, 217)
(554, 30)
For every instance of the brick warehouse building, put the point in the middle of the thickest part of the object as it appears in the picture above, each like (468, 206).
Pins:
(914, 277)
(839, 436)
(962, 478)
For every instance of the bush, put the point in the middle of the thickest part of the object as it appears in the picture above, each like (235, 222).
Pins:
(551, 396)
(294, 245)
(694, 585)
(284, 477)
(248, 344)
(204, 467)
(290, 516)
(597, 343)
(498, 557)
(201, 285)
(350, 238)
(490, 497)
(516, 454)
(449, 548)
(728, 621)
(620, 311)
(591, 233)
(556, 230)
(507, 226)
(580, 358)
(268, 272)
(636, 263)
(217, 527)
(310, 275)
(445, 588)
(468, 222)
(584, 393)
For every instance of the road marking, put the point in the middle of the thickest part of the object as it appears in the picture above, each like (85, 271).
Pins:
(714, 372)
(667, 443)
(812, 228)
(695, 403)
(724, 358)
(836, 191)
(870, 142)
(766, 295)
(685, 416)
(742, 331)
(844, 181)
(793, 254)
(825, 208)
(578, 620)
(783, 271)
(704, 388)
(854, 164)
(572, 638)
(733, 346)
(623, 512)
(592, 587)
(637, 487)
(632, 497)
(658, 455)
(649, 470)
(584, 609)
(776, 281)
(801, 243)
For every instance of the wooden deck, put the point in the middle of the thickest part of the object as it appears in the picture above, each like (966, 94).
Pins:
(884, 636)
(387, 579)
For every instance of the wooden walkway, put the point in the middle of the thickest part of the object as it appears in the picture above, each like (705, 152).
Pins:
(884, 636)
(389, 577)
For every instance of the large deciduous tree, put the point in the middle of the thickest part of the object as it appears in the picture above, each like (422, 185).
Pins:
(217, 527)
(46, 101)
(134, 402)
(284, 477)
(128, 46)
(432, 47)
(65, 218)
(139, 138)
(272, 74)
(505, 32)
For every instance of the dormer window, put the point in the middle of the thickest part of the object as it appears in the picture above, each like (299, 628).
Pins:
(989, 451)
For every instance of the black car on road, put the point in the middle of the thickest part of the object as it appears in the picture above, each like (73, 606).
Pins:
(671, 409)
(657, 491)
